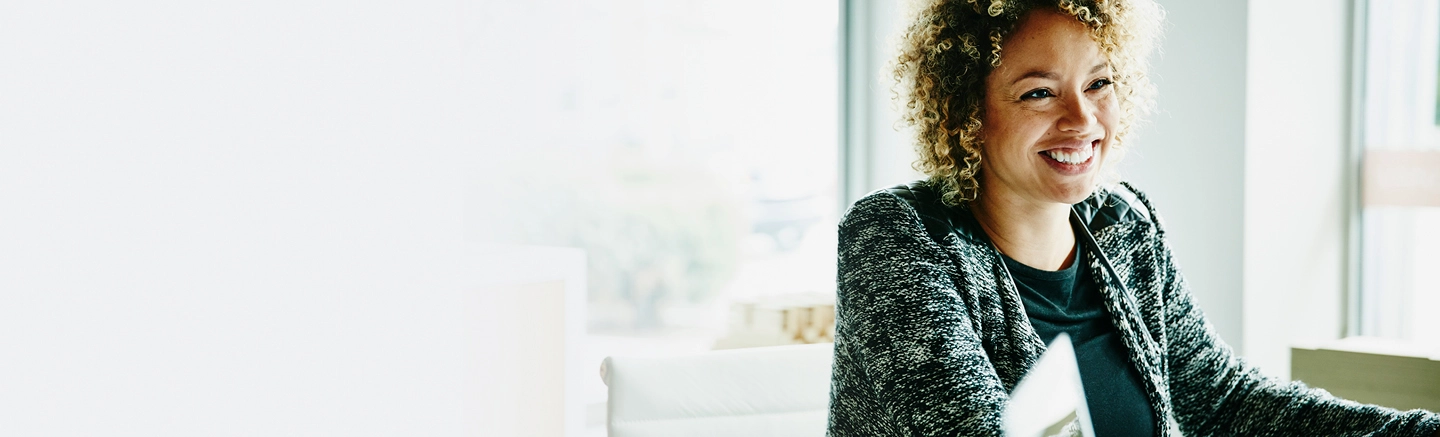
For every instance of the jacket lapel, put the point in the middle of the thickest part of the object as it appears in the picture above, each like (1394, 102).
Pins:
(1126, 314)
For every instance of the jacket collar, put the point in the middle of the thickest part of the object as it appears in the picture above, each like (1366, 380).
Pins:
(1104, 208)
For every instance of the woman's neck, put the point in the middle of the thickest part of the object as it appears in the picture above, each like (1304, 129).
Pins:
(1037, 235)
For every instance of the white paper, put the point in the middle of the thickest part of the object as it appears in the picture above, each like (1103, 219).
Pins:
(1050, 397)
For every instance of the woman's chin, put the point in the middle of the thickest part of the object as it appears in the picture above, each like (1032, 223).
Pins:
(1071, 194)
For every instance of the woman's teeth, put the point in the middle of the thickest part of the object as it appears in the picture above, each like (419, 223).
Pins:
(1076, 157)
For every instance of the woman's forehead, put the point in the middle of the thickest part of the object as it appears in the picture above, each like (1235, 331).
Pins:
(1048, 44)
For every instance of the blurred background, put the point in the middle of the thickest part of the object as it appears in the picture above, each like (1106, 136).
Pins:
(262, 217)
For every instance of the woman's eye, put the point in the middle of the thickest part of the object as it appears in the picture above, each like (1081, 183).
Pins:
(1100, 83)
(1036, 94)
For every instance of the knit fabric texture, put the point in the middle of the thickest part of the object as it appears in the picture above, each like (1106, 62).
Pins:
(931, 334)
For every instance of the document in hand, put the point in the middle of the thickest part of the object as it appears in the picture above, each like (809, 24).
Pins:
(1050, 401)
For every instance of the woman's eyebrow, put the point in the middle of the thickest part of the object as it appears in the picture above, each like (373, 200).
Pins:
(1039, 74)
(1043, 74)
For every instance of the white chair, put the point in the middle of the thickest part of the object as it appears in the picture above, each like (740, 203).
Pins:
(765, 391)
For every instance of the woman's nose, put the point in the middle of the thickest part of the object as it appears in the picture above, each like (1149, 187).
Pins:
(1079, 114)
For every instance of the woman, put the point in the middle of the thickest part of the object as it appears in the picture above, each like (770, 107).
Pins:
(950, 288)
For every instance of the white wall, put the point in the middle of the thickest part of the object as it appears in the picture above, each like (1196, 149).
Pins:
(1295, 169)
(1190, 160)
(1246, 162)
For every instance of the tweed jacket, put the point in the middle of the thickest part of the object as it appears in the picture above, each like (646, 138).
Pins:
(931, 334)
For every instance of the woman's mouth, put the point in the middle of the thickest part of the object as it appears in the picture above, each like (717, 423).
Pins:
(1071, 160)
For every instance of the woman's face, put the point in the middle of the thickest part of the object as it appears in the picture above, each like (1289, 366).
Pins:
(1050, 114)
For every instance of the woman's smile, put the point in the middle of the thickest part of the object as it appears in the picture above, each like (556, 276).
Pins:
(1072, 160)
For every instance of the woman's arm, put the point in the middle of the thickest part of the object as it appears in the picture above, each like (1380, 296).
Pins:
(908, 360)
(1215, 392)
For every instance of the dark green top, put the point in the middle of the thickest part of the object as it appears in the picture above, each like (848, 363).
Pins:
(1068, 301)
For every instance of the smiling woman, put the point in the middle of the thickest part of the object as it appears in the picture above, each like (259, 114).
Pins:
(1050, 118)
(949, 288)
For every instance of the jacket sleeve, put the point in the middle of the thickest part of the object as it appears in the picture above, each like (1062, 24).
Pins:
(908, 360)
(1216, 393)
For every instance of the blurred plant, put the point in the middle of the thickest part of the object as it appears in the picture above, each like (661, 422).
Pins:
(656, 231)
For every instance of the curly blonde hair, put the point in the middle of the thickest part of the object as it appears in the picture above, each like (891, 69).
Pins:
(950, 46)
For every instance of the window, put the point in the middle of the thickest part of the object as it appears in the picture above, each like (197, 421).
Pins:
(1400, 175)
(692, 149)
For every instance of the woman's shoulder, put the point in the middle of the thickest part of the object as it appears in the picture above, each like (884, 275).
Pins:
(885, 210)
(913, 194)
(1117, 204)
(908, 205)
(890, 204)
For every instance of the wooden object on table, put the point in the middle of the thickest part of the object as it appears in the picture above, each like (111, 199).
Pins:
(780, 320)
(1379, 371)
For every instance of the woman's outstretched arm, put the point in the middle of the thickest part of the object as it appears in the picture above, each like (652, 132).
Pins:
(1216, 393)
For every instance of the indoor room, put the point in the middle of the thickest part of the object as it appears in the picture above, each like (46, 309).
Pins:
(589, 218)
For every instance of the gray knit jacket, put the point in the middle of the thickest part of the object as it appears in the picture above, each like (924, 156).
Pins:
(931, 334)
